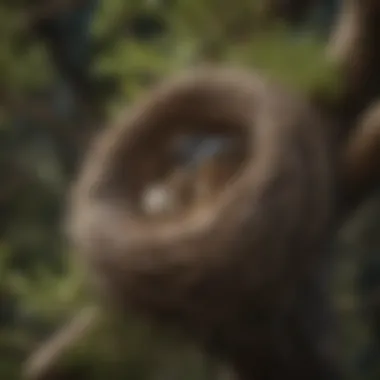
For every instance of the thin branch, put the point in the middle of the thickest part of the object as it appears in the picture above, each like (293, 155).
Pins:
(360, 161)
(355, 47)
(47, 359)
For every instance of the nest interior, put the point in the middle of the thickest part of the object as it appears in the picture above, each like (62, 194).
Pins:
(186, 172)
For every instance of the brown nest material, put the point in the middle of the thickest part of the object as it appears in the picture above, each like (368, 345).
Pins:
(231, 263)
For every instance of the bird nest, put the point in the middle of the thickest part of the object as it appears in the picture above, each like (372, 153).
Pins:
(205, 242)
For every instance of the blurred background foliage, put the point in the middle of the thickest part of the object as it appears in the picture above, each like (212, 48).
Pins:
(62, 74)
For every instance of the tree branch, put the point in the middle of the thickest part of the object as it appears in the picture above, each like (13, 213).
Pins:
(47, 360)
(355, 47)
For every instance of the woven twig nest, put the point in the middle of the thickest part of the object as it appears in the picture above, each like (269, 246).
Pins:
(215, 268)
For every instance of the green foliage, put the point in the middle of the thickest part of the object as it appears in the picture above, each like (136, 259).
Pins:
(210, 30)
(23, 65)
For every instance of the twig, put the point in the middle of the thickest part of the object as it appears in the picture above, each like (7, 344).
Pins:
(48, 357)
